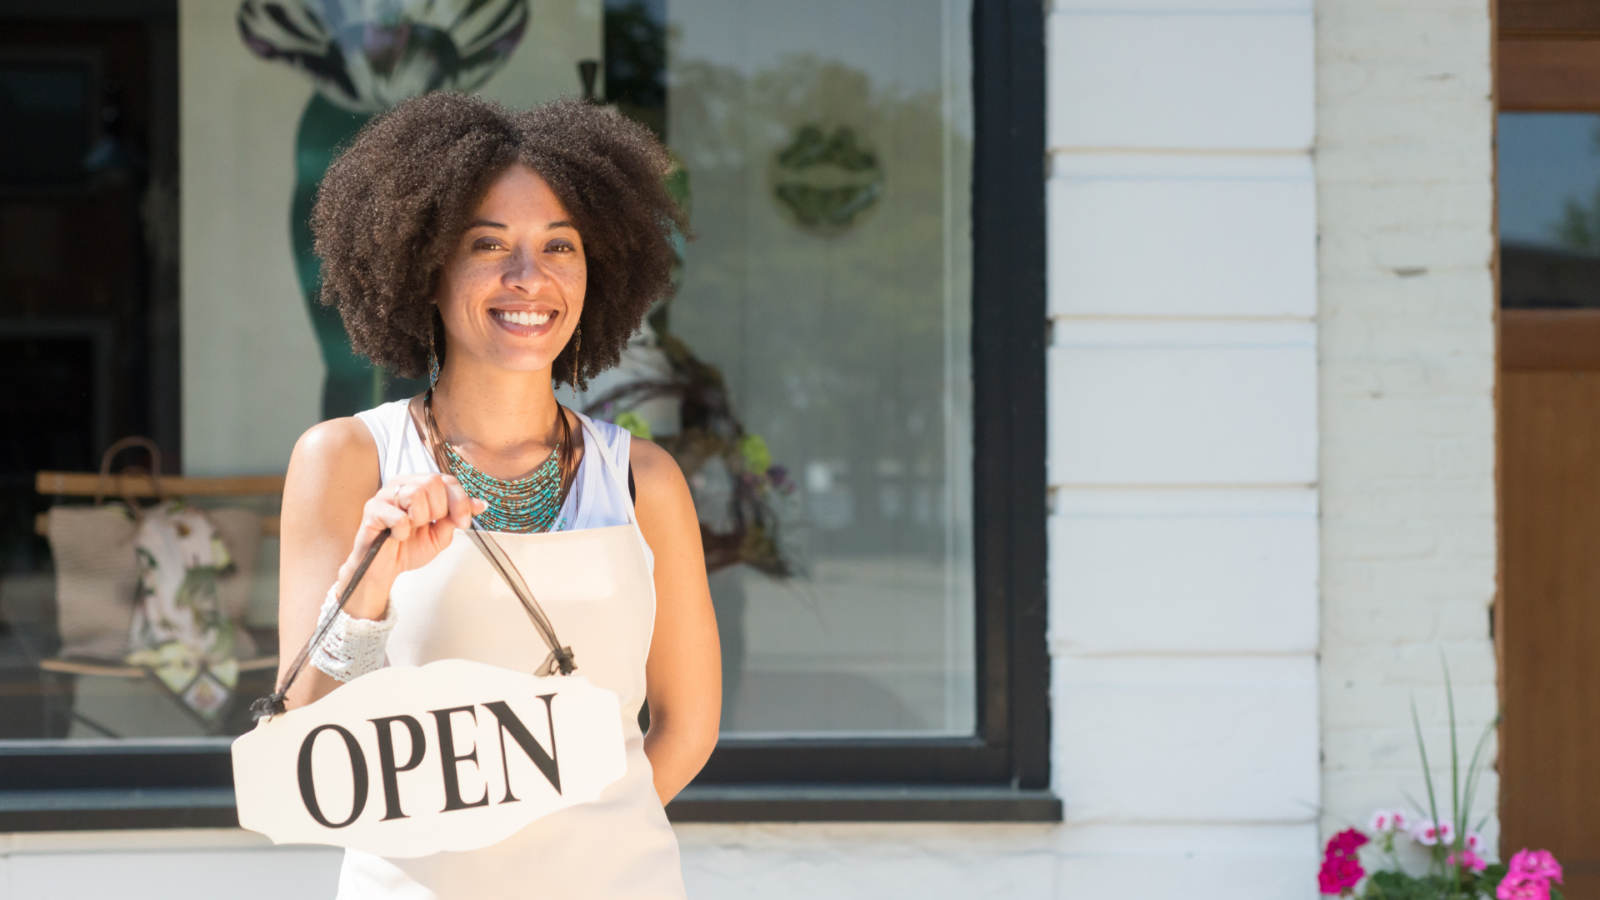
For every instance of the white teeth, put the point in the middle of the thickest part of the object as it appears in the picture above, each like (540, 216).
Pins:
(522, 318)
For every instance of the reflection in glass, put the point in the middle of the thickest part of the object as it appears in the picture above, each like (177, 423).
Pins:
(1549, 201)
(828, 154)
(824, 154)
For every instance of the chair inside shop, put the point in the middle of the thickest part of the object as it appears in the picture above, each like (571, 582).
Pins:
(90, 681)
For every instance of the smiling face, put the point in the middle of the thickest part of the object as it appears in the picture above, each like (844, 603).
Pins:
(512, 291)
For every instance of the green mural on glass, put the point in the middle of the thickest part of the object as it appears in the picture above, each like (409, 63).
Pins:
(364, 56)
(352, 384)
(826, 182)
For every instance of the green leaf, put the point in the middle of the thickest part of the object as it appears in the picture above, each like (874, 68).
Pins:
(757, 458)
(1457, 816)
(634, 424)
(1475, 773)
(1427, 772)
(1394, 885)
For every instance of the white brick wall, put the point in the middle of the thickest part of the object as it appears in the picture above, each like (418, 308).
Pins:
(1405, 200)
(1183, 447)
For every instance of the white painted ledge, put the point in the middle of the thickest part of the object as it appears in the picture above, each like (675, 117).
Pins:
(1162, 571)
(1227, 81)
(1186, 739)
(1182, 235)
(1182, 403)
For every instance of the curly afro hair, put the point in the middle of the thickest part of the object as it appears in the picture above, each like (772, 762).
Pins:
(394, 204)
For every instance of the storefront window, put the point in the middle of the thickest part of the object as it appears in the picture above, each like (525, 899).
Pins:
(850, 374)
(812, 374)
(824, 304)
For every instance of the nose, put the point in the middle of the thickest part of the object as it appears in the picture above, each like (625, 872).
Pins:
(523, 272)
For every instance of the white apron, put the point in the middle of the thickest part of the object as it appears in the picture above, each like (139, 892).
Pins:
(596, 587)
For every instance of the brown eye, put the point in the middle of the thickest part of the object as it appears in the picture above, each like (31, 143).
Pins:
(560, 246)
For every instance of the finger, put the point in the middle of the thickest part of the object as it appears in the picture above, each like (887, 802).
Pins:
(418, 507)
(461, 507)
(438, 497)
(382, 515)
(391, 499)
(440, 532)
(413, 499)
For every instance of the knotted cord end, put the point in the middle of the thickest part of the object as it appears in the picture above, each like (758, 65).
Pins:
(267, 707)
(560, 659)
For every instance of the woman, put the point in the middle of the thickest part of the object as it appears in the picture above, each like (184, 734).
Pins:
(504, 253)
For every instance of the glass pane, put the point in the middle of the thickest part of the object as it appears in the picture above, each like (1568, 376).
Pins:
(825, 301)
(816, 355)
(1549, 196)
(46, 106)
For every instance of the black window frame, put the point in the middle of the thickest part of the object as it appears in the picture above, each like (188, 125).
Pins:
(1000, 773)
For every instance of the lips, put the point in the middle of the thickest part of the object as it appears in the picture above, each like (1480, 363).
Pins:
(524, 322)
(523, 317)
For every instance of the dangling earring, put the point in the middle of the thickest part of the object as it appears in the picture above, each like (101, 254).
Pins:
(577, 345)
(433, 349)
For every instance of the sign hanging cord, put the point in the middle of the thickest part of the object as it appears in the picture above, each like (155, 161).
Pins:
(272, 704)
(560, 658)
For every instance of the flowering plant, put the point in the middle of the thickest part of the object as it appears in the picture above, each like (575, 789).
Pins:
(1457, 869)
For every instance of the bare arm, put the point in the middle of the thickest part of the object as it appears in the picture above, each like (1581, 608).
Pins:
(333, 508)
(683, 676)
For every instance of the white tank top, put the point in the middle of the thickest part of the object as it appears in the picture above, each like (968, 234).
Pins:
(621, 846)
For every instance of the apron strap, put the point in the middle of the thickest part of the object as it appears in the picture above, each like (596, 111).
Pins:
(560, 658)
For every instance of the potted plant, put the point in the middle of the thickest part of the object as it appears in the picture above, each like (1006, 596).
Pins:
(1457, 869)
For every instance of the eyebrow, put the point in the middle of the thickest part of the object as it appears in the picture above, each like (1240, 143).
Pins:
(485, 223)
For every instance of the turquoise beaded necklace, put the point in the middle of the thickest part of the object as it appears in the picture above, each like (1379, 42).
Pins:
(521, 505)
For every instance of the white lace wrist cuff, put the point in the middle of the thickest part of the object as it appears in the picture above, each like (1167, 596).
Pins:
(352, 647)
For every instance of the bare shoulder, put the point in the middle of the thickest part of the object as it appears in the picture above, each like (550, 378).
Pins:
(336, 442)
(666, 510)
(663, 494)
(338, 452)
(652, 464)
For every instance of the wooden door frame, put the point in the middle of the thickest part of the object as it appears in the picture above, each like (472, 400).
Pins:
(1544, 57)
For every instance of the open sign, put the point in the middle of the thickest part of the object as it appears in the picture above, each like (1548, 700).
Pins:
(408, 761)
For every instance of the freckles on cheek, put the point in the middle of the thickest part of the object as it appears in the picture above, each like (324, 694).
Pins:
(575, 283)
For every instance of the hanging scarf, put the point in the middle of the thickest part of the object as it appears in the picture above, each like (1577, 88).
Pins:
(180, 630)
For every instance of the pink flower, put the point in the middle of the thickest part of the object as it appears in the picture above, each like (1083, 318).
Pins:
(1515, 888)
(1347, 842)
(1474, 842)
(1467, 859)
(1339, 874)
(1529, 876)
(1402, 822)
(1535, 864)
(1425, 832)
(1341, 870)
(1383, 822)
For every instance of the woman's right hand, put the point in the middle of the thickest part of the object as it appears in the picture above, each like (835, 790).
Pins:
(422, 513)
